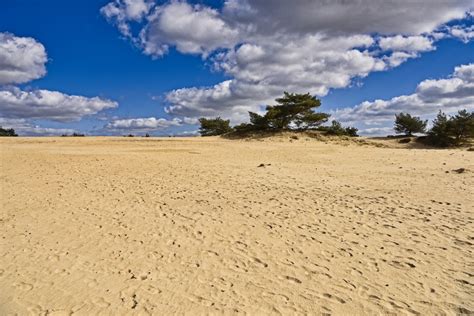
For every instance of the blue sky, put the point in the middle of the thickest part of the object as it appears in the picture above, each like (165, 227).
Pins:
(141, 66)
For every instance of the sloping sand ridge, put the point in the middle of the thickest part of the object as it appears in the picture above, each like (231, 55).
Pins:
(162, 226)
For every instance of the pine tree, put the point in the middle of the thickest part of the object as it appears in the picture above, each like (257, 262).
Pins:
(408, 125)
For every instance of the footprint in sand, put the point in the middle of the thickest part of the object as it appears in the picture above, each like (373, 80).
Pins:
(334, 298)
(292, 279)
(22, 286)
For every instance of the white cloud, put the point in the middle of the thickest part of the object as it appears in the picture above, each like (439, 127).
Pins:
(267, 47)
(228, 99)
(22, 59)
(263, 71)
(122, 11)
(127, 9)
(192, 29)
(465, 72)
(143, 124)
(463, 33)
(406, 43)
(395, 59)
(50, 105)
(190, 120)
(448, 95)
(376, 131)
(35, 130)
(410, 17)
(24, 128)
(403, 48)
(188, 133)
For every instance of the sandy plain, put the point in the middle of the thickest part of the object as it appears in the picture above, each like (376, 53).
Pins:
(138, 226)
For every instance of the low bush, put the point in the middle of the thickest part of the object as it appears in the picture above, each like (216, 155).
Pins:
(9, 132)
(214, 127)
(451, 131)
(336, 128)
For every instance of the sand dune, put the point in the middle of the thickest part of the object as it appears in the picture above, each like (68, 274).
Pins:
(160, 226)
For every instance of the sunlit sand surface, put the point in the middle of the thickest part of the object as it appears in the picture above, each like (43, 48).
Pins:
(142, 226)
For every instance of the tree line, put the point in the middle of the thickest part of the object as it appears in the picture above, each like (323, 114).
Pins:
(295, 112)
(292, 112)
(446, 130)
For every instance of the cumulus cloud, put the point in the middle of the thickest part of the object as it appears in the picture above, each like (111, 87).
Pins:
(25, 128)
(192, 29)
(406, 43)
(395, 59)
(262, 71)
(123, 11)
(49, 105)
(188, 133)
(231, 99)
(267, 47)
(410, 17)
(201, 29)
(403, 48)
(465, 34)
(143, 124)
(448, 95)
(375, 131)
(22, 59)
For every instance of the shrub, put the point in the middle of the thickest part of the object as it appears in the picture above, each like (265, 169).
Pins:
(258, 122)
(449, 131)
(214, 127)
(461, 126)
(352, 131)
(244, 128)
(407, 124)
(7, 132)
(336, 128)
(311, 120)
(73, 135)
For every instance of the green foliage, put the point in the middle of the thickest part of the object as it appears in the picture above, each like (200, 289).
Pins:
(310, 120)
(439, 133)
(292, 111)
(214, 127)
(7, 132)
(336, 128)
(461, 126)
(448, 131)
(295, 110)
(258, 122)
(407, 124)
(352, 131)
(244, 128)
(73, 135)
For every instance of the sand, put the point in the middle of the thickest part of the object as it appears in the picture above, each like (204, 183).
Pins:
(140, 226)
